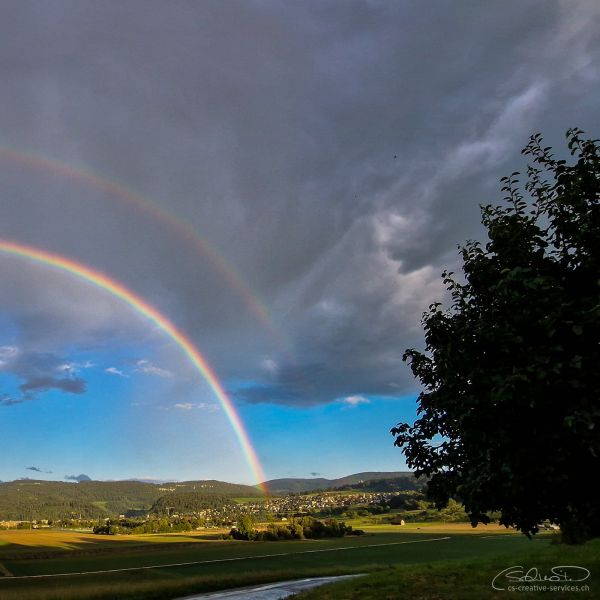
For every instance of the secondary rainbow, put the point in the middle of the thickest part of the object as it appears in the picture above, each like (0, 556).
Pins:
(180, 227)
(141, 306)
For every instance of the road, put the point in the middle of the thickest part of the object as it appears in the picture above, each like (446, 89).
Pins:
(270, 591)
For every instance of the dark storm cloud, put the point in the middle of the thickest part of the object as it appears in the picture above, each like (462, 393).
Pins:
(41, 372)
(335, 153)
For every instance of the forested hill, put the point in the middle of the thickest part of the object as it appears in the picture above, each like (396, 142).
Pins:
(186, 502)
(367, 481)
(30, 499)
(212, 486)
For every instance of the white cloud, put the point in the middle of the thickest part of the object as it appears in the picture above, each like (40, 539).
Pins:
(145, 366)
(115, 371)
(355, 400)
(74, 367)
(202, 406)
(184, 406)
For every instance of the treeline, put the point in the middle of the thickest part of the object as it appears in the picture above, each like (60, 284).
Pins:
(296, 529)
(395, 484)
(407, 506)
(136, 526)
(188, 502)
(213, 486)
(426, 511)
(409, 500)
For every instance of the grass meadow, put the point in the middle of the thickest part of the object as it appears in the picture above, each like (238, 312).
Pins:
(467, 578)
(217, 564)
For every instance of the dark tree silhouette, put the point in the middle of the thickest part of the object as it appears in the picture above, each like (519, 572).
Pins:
(508, 419)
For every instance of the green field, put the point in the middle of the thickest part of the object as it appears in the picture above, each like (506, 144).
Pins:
(227, 563)
(467, 579)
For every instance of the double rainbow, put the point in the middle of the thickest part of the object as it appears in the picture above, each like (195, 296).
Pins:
(144, 308)
(181, 228)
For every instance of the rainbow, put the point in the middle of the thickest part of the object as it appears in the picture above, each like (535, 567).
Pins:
(182, 228)
(142, 307)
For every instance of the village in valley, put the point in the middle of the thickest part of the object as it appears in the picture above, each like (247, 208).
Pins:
(188, 511)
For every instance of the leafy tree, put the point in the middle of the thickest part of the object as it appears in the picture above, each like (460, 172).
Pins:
(315, 529)
(508, 416)
(245, 529)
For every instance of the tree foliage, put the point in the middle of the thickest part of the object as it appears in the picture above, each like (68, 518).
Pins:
(31, 499)
(295, 529)
(508, 416)
(189, 502)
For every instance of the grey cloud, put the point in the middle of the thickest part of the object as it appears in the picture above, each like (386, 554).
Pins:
(272, 129)
(7, 400)
(39, 384)
(48, 306)
(78, 478)
(39, 370)
(37, 470)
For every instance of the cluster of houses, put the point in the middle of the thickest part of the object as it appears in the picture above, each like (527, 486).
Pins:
(265, 508)
(285, 506)
(36, 524)
(318, 502)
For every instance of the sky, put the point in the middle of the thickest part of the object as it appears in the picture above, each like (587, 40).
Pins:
(284, 183)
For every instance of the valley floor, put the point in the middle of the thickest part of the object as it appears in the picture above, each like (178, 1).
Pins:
(49, 565)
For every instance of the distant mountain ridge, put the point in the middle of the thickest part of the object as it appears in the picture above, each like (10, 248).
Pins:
(298, 485)
(29, 499)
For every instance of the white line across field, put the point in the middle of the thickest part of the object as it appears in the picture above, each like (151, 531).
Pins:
(221, 560)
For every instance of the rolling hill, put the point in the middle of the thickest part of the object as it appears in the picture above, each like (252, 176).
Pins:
(29, 499)
(400, 480)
